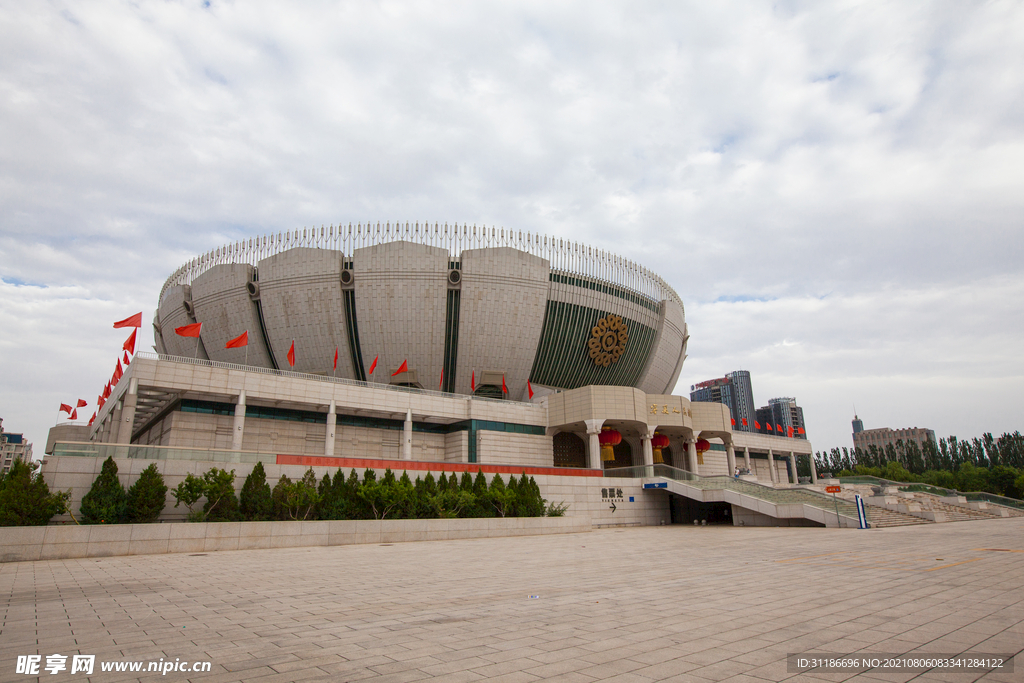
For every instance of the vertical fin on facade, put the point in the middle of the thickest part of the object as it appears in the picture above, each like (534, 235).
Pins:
(451, 339)
(263, 326)
(353, 335)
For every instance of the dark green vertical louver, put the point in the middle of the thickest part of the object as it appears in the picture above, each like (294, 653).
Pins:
(563, 359)
(353, 334)
(263, 331)
(451, 339)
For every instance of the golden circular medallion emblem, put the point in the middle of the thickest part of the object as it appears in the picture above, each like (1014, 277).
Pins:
(607, 340)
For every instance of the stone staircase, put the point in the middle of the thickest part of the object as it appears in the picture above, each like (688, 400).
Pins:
(881, 518)
(929, 508)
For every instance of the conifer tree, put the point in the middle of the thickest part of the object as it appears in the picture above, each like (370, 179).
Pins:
(221, 501)
(256, 504)
(25, 499)
(147, 497)
(105, 501)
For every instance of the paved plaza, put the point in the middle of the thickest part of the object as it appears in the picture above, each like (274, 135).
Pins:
(670, 603)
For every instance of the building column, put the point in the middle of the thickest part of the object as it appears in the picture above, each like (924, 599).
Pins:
(648, 450)
(771, 467)
(128, 403)
(594, 443)
(730, 458)
(814, 470)
(691, 455)
(746, 457)
(332, 420)
(407, 437)
(792, 464)
(239, 431)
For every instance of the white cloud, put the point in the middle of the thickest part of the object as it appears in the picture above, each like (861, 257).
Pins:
(859, 166)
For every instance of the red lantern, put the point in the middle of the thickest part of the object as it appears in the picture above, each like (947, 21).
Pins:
(659, 441)
(608, 438)
(701, 446)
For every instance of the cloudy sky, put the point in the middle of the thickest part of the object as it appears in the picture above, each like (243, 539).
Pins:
(834, 189)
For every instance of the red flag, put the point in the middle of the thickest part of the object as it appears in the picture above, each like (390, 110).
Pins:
(129, 344)
(192, 330)
(769, 426)
(106, 391)
(291, 354)
(789, 432)
(404, 367)
(335, 357)
(81, 404)
(472, 382)
(101, 401)
(529, 388)
(126, 361)
(733, 422)
(778, 427)
(757, 425)
(92, 419)
(744, 422)
(800, 430)
(441, 383)
(120, 370)
(65, 408)
(373, 364)
(74, 414)
(239, 341)
(504, 389)
(130, 321)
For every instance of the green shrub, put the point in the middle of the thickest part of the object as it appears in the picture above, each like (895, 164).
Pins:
(256, 504)
(25, 499)
(147, 497)
(279, 497)
(189, 492)
(105, 501)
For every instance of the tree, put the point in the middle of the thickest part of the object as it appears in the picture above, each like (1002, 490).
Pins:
(500, 498)
(221, 501)
(279, 497)
(25, 499)
(147, 496)
(189, 492)
(256, 504)
(105, 501)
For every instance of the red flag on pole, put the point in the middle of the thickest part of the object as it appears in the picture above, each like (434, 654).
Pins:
(129, 344)
(744, 422)
(504, 389)
(769, 424)
(101, 401)
(441, 383)
(789, 432)
(529, 388)
(239, 341)
(778, 427)
(335, 357)
(757, 425)
(130, 321)
(119, 371)
(733, 421)
(65, 408)
(404, 367)
(126, 361)
(74, 414)
(373, 365)
(81, 403)
(472, 382)
(800, 430)
(192, 330)
(106, 391)
(291, 355)
(92, 419)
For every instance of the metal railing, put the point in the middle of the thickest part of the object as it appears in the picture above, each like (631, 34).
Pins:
(323, 378)
(748, 488)
(90, 449)
(917, 487)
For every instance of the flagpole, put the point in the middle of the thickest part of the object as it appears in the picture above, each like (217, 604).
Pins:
(196, 354)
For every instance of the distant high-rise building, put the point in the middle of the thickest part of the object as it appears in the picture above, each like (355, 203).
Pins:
(733, 390)
(858, 425)
(12, 447)
(864, 439)
(781, 414)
